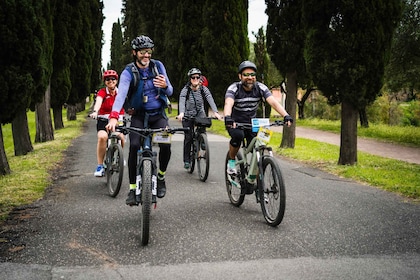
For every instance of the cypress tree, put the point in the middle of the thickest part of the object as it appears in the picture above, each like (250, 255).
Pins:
(346, 50)
(225, 43)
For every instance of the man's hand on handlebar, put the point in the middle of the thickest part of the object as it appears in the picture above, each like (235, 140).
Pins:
(112, 123)
(288, 120)
(229, 122)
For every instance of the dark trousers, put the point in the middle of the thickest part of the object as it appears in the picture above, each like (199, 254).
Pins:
(156, 121)
(188, 139)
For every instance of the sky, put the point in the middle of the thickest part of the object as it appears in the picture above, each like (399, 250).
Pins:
(112, 11)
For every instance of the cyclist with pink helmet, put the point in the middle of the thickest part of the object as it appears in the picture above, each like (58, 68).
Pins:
(103, 107)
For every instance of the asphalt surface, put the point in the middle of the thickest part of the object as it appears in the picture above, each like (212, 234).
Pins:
(333, 228)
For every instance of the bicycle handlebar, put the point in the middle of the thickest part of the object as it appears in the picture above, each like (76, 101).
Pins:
(249, 126)
(148, 131)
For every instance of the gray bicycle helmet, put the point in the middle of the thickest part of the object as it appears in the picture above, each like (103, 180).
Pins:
(194, 71)
(142, 42)
(246, 64)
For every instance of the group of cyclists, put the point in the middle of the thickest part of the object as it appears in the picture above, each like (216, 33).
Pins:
(149, 100)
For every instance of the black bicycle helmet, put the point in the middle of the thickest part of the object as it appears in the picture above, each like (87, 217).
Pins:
(142, 42)
(194, 71)
(246, 64)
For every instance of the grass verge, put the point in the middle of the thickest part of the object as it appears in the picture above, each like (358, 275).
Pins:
(31, 173)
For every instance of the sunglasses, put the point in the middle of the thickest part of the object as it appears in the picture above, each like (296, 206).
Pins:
(252, 74)
(110, 79)
(143, 52)
(195, 77)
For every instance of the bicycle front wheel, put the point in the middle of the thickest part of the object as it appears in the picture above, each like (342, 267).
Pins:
(203, 157)
(114, 169)
(233, 183)
(272, 192)
(146, 200)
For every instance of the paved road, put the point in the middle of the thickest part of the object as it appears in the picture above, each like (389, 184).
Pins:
(333, 228)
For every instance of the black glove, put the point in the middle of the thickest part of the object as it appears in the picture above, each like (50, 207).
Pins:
(229, 121)
(288, 118)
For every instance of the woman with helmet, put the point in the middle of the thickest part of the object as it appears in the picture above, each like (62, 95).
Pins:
(241, 103)
(147, 103)
(191, 104)
(103, 106)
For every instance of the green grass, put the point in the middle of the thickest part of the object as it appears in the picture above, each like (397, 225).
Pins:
(31, 174)
(387, 174)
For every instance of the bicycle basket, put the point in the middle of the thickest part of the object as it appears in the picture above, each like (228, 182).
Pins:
(206, 122)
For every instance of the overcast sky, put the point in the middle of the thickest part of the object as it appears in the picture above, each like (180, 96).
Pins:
(112, 11)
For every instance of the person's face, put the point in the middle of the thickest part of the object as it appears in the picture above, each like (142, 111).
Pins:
(195, 80)
(111, 82)
(248, 78)
(143, 56)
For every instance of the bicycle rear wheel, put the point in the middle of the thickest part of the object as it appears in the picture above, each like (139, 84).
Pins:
(146, 200)
(234, 188)
(203, 157)
(272, 192)
(114, 169)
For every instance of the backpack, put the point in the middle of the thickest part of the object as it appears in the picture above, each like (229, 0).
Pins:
(137, 81)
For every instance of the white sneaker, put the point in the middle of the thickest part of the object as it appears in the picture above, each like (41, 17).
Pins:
(100, 171)
(231, 167)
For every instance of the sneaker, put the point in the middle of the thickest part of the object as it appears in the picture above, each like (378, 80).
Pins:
(131, 199)
(161, 188)
(100, 171)
(231, 167)
(186, 165)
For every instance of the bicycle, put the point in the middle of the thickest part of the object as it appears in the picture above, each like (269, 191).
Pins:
(146, 179)
(113, 162)
(200, 151)
(258, 173)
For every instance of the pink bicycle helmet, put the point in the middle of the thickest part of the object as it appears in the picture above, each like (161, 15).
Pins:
(110, 73)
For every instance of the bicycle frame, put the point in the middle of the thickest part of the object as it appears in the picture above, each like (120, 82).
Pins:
(254, 148)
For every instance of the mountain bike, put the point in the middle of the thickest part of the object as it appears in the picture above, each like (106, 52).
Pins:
(200, 151)
(257, 171)
(114, 161)
(146, 179)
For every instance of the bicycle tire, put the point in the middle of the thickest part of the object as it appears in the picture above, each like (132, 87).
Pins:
(203, 157)
(114, 169)
(272, 192)
(146, 199)
(192, 156)
(236, 194)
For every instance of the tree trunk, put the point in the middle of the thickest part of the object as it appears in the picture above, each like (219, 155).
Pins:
(44, 129)
(4, 164)
(71, 112)
(21, 136)
(364, 122)
(348, 138)
(301, 103)
(58, 118)
(288, 139)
